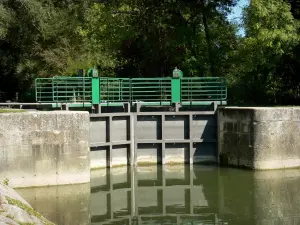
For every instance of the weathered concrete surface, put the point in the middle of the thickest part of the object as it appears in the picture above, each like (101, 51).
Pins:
(259, 138)
(44, 148)
(14, 210)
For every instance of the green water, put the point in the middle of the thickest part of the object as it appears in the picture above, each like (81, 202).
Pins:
(173, 195)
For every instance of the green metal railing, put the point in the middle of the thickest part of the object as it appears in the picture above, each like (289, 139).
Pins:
(151, 90)
(203, 89)
(63, 89)
(155, 90)
(147, 91)
(115, 90)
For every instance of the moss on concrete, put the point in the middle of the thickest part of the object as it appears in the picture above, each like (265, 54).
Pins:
(21, 223)
(144, 163)
(98, 168)
(119, 165)
(6, 181)
(10, 217)
(28, 209)
(174, 163)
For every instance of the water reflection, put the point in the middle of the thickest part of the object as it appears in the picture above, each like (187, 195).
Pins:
(182, 195)
(155, 195)
(194, 195)
(62, 205)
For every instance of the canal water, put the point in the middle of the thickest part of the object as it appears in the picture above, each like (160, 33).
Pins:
(180, 194)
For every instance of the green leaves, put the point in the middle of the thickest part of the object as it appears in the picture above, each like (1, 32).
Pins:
(5, 20)
(144, 38)
(271, 24)
(37, 38)
(271, 33)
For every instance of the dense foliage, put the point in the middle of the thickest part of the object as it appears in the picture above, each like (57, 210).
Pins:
(142, 38)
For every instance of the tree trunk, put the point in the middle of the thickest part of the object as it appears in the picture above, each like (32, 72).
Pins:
(207, 36)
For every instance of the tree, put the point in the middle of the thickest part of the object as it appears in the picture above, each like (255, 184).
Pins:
(38, 38)
(271, 32)
(150, 38)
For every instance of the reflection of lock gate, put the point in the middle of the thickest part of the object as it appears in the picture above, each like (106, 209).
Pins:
(174, 197)
(86, 91)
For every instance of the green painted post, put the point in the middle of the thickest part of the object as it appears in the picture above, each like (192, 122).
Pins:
(176, 85)
(95, 90)
(95, 86)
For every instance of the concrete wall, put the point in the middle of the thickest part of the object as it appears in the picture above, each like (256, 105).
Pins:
(152, 138)
(259, 138)
(44, 148)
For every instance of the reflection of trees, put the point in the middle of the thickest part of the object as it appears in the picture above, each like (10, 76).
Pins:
(236, 196)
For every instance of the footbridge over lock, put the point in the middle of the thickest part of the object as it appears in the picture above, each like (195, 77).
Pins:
(142, 120)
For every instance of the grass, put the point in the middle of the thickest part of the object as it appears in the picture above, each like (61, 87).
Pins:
(29, 210)
(11, 110)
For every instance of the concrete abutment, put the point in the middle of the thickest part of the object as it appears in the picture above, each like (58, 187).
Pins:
(60, 147)
(259, 138)
(44, 148)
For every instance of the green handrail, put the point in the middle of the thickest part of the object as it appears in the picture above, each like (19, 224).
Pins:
(151, 91)
(63, 89)
(203, 89)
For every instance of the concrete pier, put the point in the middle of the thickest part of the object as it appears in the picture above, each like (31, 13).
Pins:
(259, 138)
(44, 148)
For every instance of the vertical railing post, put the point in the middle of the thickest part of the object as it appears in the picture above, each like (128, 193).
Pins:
(95, 90)
(35, 90)
(176, 86)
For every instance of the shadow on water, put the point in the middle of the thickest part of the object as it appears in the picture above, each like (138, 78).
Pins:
(173, 195)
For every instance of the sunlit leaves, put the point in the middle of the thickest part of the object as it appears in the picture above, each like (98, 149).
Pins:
(271, 33)
(270, 24)
(5, 20)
